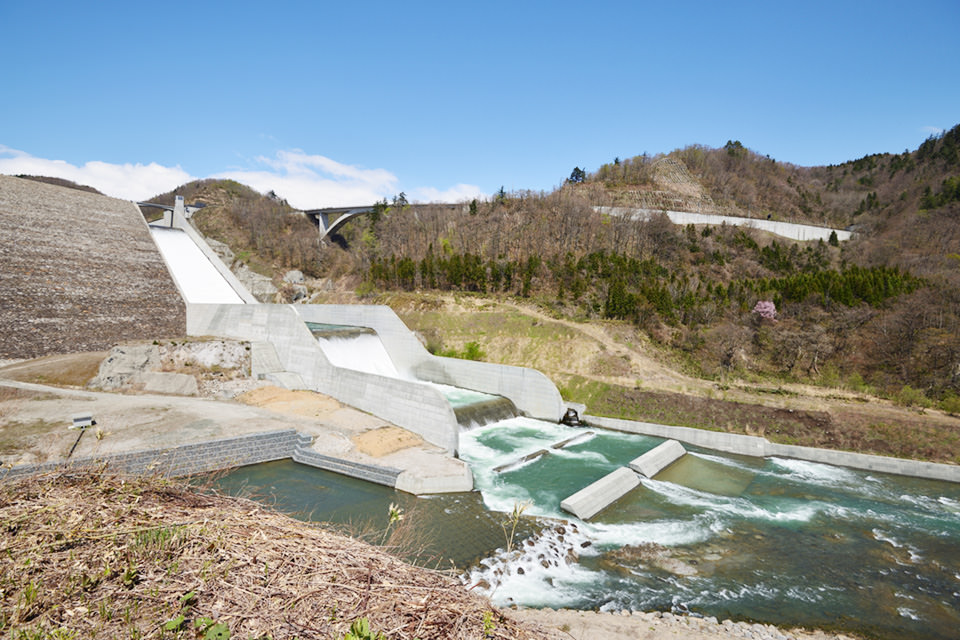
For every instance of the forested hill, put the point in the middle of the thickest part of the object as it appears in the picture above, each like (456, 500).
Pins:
(882, 309)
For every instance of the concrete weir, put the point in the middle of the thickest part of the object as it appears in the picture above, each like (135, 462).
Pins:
(592, 499)
(659, 458)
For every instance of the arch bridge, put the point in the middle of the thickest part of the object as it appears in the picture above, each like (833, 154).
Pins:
(332, 218)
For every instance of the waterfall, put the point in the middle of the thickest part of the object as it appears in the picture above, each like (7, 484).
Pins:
(360, 352)
(361, 349)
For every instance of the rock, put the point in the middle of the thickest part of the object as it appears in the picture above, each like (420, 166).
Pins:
(179, 384)
(299, 292)
(260, 286)
(294, 277)
(125, 365)
(222, 250)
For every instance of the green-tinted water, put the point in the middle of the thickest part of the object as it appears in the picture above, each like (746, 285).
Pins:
(359, 507)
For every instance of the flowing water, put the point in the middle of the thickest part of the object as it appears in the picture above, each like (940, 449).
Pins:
(773, 540)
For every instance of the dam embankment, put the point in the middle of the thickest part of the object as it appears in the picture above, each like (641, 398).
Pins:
(79, 272)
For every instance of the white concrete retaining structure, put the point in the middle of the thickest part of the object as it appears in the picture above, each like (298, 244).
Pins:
(659, 458)
(761, 447)
(794, 231)
(529, 390)
(415, 407)
(594, 498)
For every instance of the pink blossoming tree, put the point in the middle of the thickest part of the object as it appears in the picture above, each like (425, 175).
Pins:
(766, 310)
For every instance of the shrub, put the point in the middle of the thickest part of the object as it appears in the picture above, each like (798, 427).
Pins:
(910, 397)
(950, 404)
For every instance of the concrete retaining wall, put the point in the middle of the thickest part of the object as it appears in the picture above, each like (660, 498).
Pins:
(188, 459)
(795, 231)
(206, 457)
(415, 407)
(380, 475)
(529, 390)
(761, 447)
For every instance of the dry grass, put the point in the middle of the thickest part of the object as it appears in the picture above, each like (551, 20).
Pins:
(93, 556)
(66, 370)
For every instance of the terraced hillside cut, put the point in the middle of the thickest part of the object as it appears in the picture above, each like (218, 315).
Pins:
(78, 272)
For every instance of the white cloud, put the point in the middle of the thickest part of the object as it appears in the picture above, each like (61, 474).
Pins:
(935, 131)
(312, 181)
(306, 181)
(457, 193)
(127, 181)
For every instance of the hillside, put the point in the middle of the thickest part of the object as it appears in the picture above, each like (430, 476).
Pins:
(877, 314)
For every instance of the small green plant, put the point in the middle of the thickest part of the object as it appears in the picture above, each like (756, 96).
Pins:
(910, 397)
(130, 577)
(211, 629)
(472, 351)
(360, 630)
(488, 624)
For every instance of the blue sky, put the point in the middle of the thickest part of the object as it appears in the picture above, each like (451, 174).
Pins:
(343, 103)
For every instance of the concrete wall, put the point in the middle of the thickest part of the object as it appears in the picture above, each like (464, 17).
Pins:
(596, 497)
(659, 458)
(416, 407)
(529, 390)
(802, 232)
(206, 457)
(183, 460)
(761, 447)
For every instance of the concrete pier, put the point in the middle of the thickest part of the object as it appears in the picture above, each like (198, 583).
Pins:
(659, 458)
(592, 499)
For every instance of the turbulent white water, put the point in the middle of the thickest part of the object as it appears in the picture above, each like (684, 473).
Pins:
(364, 352)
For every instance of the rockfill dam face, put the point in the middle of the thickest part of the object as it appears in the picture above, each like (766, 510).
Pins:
(79, 272)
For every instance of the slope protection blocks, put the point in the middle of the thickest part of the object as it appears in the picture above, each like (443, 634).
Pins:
(78, 272)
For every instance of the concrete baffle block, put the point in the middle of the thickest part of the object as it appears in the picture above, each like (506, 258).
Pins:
(659, 458)
(592, 499)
